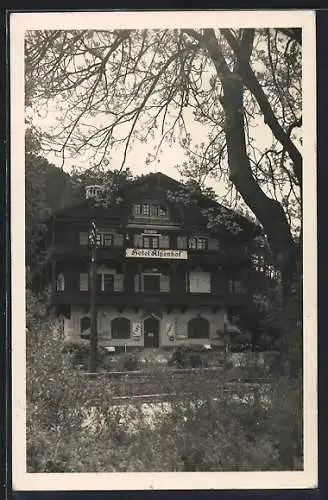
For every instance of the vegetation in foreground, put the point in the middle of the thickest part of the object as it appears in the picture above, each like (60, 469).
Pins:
(212, 436)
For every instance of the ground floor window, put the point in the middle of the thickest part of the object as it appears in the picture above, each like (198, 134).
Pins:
(198, 328)
(85, 324)
(121, 328)
(60, 283)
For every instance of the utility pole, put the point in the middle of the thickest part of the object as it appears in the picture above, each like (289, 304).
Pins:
(93, 299)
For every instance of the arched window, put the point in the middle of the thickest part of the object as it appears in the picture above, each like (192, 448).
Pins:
(85, 326)
(121, 328)
(198, 328)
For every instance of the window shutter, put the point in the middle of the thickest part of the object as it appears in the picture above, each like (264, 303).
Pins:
(164, 241)
(204, 285)
(118, 283)
(213, 244)
(136, 283)
(99, 283)
(164, 283)
(192, 282)
(83, 238)
(118, 240)
(138, 242)
(84, 282)
(181, 242)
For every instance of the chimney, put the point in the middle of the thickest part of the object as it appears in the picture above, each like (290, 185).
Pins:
(93, 191)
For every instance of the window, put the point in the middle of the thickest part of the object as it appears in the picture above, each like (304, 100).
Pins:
(98, 239)
(199, 282)
(60, 284)
(85, 325)
(107, 239)
(108, 283)
(198, 328)
(137, 209)
(84, 282)
(121, 328)
(162, 211)
(154, 210)
(151, 242)
(202, 243)
(151, 283)
(99, 282)
(146, 209)
(192, 243)
(236, 286)
(150, 210)
(83, 238)
(197, 243)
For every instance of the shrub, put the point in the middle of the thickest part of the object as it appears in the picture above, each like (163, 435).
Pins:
(192, 356)
(74, 425)
(130, 363)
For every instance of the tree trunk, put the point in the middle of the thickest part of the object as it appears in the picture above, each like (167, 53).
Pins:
(269, 212)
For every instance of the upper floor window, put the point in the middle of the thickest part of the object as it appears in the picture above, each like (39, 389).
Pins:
(107, 239)
(199, 282)
(197, 243)
(236, 286)
(151, 282)
(201, 243)
(137, 209)
(103, 238)
(192, 243)
(149, 210)
(60, 283)
(146, 209)
(151, 241)
(108, 283)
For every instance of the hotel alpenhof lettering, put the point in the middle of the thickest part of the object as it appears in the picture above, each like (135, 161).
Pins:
(158, 254)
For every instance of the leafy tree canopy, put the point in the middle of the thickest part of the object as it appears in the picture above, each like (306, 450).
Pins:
(114, 87)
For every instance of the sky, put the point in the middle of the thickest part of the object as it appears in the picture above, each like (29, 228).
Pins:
(167, 160)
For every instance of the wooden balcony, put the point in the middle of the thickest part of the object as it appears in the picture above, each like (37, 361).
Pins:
(198, 257)
(62, 251)
(159, 300)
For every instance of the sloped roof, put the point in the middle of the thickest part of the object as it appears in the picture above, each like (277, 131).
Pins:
(156, 184)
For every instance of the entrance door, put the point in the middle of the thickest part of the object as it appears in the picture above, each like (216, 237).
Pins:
(151, 332)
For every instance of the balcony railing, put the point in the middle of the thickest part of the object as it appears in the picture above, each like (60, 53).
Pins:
(212, 257)
(160, 299)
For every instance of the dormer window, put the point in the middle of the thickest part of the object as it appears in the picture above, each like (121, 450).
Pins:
(146, 209)
(162, 211)
(154, 210)
(151, 242)
(149, 210)
(137, 209)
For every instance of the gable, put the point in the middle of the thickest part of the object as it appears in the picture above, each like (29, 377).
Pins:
(158, 188)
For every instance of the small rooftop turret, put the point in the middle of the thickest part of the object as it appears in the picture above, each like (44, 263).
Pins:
(94, 191)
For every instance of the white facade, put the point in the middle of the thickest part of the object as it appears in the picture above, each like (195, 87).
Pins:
(172, 327)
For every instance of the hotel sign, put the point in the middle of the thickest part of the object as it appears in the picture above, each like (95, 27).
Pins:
(151, 253)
